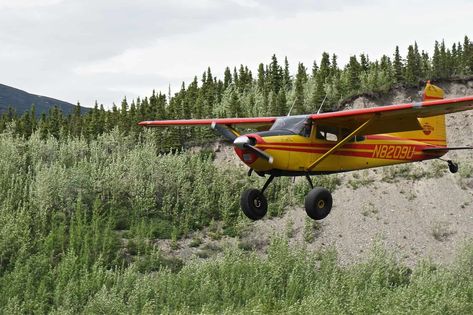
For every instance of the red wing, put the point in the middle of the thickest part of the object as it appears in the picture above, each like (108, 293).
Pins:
(253, 122)
(393, 118)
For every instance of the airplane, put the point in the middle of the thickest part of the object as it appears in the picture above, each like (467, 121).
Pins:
(334, 142)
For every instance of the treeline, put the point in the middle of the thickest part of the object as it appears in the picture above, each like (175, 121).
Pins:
(272, 91)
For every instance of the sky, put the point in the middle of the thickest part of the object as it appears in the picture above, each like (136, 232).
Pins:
(104, 50)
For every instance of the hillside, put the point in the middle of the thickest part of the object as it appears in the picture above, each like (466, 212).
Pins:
(110, 225)
(21, 101)
(417, 211)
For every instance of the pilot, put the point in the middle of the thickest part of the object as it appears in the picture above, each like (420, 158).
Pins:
(307, 128)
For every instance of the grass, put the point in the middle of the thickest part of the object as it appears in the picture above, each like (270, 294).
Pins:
(369, 210)
(360, 179)
(312, 229)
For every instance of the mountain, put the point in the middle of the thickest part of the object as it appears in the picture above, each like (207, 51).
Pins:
(21, 101)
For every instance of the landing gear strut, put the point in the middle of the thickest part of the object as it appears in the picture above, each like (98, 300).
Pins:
(318, 201)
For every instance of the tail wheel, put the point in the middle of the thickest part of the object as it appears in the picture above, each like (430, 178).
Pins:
(452, 166)
(318, 203)
(254, 204)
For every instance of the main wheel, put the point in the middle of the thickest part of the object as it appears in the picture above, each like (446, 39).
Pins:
(254, 204)
(318, 203)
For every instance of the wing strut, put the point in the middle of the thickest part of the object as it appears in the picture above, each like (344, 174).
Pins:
(341, 143)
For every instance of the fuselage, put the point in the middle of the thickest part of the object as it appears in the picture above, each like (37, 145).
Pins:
(293, 152)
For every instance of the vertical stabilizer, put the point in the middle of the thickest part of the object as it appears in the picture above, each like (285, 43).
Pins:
(433, 128)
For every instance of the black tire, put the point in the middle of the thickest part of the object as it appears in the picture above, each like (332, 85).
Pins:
(453, 167)
(254, 204)
(318, 203)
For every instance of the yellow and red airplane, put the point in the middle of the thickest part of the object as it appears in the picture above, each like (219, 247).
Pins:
(335, 142)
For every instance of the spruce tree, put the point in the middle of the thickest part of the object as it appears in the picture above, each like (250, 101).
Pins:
(287, 76)
(299, 97)
(227, 78)
(354, 71)
(261, 77)
(275, 75)
(334, 71)
(235, 105)
(322, 76)
(436, 62)
(282, 103)
(413, 67)
(123, 120)
(364, 62)
(426, 65)
(398, 67)
(235, 77)
(315, 69)
(468, 55)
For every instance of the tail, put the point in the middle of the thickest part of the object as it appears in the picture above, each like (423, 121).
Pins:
(433, 128)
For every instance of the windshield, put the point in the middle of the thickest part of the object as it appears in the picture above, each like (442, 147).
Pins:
(294, 124)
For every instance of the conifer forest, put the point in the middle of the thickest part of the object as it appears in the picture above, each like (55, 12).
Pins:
(84, 197)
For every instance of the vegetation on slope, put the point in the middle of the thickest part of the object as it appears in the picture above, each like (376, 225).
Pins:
(78, 222)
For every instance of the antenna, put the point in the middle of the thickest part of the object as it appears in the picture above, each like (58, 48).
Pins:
(292, 106)
(322, 104)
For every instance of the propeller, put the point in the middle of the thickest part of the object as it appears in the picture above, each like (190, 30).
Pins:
(242, 142)
(225, 132)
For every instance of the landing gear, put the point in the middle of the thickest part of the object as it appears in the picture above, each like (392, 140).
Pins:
(254, 203)
(318, 203)
(452, 166)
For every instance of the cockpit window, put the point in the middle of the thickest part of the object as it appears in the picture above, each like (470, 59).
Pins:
(328, 133)
(346, 132)
(331, 133)
(296, 124)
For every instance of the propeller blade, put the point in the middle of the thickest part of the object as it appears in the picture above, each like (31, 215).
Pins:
(225, 132)
(259, 152)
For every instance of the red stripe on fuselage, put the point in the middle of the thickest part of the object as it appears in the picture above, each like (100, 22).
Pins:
(418, 154)
(319, 146)
(379, 137)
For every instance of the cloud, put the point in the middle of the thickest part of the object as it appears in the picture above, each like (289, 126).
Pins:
(86, 50)
(22, 4)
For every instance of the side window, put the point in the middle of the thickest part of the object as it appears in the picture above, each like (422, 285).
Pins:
(327, 133)
(346, 132)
